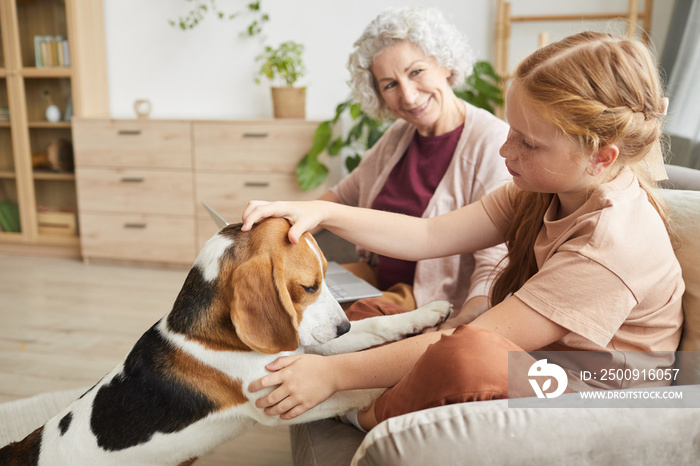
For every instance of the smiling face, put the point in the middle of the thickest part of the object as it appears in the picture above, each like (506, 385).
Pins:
(539, 156)
(415, 88)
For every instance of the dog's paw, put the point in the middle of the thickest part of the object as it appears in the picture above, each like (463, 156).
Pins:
(431, 315)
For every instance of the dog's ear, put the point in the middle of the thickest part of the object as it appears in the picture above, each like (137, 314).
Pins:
(261, 307)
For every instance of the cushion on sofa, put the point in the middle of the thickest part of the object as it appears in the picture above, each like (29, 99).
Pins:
(489, 432)
(684, 210)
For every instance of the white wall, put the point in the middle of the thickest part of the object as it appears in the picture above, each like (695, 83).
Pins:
(207, 72)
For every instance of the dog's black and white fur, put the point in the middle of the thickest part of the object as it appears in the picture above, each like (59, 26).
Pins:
(248, 299)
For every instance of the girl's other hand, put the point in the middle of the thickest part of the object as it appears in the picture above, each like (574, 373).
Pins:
(303, 382)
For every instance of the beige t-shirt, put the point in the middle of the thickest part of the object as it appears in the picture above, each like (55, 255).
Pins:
(607, 272)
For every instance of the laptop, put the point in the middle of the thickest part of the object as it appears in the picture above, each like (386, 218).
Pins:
(343, 285)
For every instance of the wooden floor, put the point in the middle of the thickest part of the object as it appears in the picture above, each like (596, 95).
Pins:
(64, 324)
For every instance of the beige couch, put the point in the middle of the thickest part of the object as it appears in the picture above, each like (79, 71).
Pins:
(490, 432)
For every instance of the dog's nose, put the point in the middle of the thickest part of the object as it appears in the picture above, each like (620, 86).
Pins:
(343, 328)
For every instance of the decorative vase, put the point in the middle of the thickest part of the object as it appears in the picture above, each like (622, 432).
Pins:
(289, 102)
(53, 114)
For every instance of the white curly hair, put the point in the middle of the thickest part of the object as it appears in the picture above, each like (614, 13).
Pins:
(423, 26)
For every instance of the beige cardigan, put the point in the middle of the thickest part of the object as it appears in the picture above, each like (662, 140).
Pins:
(476, 169)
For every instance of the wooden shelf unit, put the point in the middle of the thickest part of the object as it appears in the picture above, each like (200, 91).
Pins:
(637, 21)
(505, 20)
(83, 84)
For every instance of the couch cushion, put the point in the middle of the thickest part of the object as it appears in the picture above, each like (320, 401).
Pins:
(489, 432)
(684, 209)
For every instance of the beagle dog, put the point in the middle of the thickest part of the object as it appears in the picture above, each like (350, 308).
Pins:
(248, 299)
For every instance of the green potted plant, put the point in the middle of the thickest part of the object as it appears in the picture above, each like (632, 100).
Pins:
(482, 89)
(283, 66)
(363, 133)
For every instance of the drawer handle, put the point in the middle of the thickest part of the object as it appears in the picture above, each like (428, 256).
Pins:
(135, 225)
(132, 179)
(255, 135)
(129, 132)
(256, 184)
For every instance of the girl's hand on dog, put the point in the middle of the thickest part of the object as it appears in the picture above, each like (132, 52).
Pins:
(304, 216)
(302, 382)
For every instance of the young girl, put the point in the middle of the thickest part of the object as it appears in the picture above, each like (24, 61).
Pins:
(591, 266)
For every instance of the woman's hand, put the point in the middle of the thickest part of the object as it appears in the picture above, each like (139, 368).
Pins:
(304, 216)
(303, 381)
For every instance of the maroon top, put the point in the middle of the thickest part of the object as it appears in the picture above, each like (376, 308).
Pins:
(408, 190)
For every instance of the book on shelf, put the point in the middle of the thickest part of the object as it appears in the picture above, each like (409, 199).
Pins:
(9, 217)
(51, 51)
(68, 112)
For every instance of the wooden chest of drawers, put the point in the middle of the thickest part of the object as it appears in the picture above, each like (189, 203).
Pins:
(235, 162)
(140, 183)
(133, 143)
(135, 190)
(251, 147)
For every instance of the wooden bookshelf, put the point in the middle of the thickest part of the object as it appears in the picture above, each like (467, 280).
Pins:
(23, 88)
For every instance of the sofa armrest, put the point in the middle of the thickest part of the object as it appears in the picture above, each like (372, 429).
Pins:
(681, 178)
(489, 432)
(685, 216)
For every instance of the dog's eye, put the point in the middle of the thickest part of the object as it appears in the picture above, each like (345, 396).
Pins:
(310, 289)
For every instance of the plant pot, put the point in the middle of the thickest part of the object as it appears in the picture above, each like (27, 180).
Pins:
(289, 102)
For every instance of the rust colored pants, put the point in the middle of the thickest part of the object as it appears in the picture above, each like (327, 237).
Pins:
(469, 365)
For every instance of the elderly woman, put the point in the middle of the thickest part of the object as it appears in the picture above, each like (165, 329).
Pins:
(441, 153)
